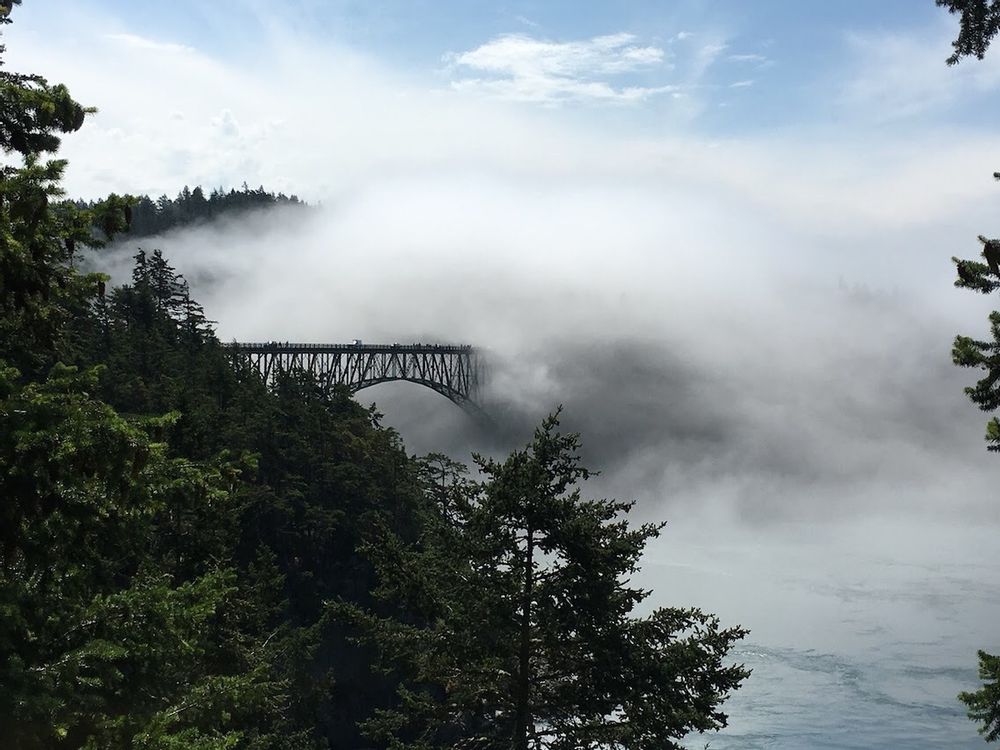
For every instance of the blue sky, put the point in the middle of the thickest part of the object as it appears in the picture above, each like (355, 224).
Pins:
(725, 67)
(418, 33)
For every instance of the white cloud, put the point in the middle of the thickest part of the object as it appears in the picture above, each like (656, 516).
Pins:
(747, 58)
(149, 45)
(524, 68)
(752, 60)
(707, 55)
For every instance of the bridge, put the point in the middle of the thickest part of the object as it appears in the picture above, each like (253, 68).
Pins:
(454, 371)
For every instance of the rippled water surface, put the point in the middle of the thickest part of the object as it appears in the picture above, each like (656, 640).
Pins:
(861, 636)
(808, 699)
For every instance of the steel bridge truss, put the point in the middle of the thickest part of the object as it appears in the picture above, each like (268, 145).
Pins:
(453, 371)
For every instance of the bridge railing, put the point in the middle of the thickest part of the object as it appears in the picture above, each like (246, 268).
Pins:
(286, 347)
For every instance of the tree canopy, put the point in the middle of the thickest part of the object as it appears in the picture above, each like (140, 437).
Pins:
(524, 634)
(192, 207)
(979, 22)
(170, 529)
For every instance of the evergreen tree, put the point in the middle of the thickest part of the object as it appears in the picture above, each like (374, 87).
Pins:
(979, 22)
(39, 292)
(517, 627)
(191, 207)
(983, 276)
(124, 621)
(984, 704)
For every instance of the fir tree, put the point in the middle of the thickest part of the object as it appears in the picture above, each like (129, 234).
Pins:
(517, 628)
(979, 22)
(984, 704)
(191, 208)
(124, 621)
(983, 276)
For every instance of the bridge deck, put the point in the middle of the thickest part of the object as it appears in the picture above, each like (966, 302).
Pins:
(288, 347)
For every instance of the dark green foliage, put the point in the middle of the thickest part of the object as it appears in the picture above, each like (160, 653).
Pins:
(33, 113)
(979, 22)
(984, 704)
(984, 354)
(39, 233)
(138, 610)
(983, 277)
(191, 207)
(127, 618)
(322, 471)
(517, 628)
(124, 617)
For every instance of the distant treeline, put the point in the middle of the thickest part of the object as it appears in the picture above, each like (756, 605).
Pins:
(191, 206)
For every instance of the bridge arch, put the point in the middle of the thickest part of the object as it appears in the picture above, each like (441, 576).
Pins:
(454, 371)
(456, 397)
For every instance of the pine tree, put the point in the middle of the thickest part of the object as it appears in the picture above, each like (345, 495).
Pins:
(515, 626)
(123, 619)
(983, 277)
(984, 354)
(191, 208)
(984, 704)
(39, 235)
(978, 25)
(979, 22)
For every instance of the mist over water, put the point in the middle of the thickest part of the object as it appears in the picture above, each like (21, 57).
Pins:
(704, 363)
(800, 426)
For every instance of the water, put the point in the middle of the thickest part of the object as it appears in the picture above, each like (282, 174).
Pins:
(809, 699)
(862, 636)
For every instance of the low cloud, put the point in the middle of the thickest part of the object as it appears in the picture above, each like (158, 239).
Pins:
(704, 372)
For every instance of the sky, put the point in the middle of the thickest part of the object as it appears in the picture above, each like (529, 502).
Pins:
(219, 93)
(718, 233)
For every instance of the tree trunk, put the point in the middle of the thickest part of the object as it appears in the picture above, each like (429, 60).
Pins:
(522, 717)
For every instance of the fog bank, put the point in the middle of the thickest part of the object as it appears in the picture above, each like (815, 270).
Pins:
(714, 355)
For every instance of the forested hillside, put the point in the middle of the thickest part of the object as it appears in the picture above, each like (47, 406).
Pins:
(189, 559)
(191, 207)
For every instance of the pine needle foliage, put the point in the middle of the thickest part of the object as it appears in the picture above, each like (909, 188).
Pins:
(517, 627)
